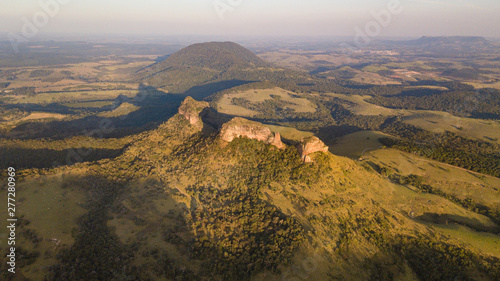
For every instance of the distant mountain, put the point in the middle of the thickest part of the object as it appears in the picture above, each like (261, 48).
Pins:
(450, 45)
(473, 41)
(205, 68)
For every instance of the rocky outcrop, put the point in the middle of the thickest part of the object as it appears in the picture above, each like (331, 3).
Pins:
(240, 127)
(310, 145)
(191, 109)
(276, 141)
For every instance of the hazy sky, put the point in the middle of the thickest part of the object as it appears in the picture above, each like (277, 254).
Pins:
(255, 17)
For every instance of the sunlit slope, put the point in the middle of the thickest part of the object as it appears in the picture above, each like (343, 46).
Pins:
(180, 203)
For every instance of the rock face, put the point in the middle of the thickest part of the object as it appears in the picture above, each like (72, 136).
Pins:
(191, 109)
(310, 145)
(240, 127)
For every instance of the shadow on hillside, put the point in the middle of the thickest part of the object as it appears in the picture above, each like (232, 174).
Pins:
(204, 91)
(33, 107)
(142, 212)
(154, 107)
(47, 158)
(330, 134)
(472, 223)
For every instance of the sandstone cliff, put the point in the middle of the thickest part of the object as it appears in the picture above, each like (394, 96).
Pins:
(240, 127)
(191, 109)
(310, 145)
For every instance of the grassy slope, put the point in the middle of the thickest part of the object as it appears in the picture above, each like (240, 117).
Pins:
(451, 180)
(349, 214)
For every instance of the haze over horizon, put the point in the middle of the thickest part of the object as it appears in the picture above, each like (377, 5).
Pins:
(257, 17)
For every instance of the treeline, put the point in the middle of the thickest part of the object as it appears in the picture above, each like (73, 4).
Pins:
(432, 259)
(483, 103)
(40, 73)
(260, 238)
(451, 85)
(23, 91)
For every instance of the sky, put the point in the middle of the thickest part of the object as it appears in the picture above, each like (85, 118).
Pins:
(387, 18)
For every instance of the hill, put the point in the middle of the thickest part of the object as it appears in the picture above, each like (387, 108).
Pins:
(430, 41)
(203, 69)
(185, 203)
(452, 45)
(220, 56)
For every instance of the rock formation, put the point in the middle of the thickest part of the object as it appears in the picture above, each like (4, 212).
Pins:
(191, 109)
(240, 127)
(310, 145)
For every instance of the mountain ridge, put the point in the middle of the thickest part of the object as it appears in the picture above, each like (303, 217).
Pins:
(424, 40)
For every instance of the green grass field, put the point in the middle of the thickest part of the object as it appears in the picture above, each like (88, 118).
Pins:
(226, 106)
(374, 79)
(486, 130)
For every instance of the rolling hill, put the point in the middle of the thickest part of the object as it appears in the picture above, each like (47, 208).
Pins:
(185, 203)
(193, 190)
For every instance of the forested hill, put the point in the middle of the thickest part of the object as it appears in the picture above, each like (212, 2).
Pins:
(448, 40)
(220, 56)
(202, 69)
